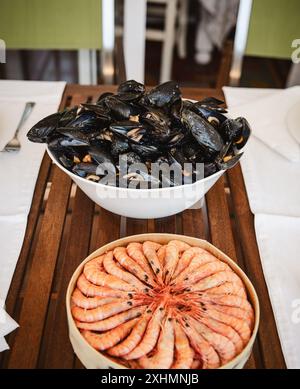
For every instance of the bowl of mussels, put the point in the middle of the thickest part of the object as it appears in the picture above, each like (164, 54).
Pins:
(144, 153)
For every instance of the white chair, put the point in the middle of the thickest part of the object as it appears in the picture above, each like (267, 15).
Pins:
(175, 14)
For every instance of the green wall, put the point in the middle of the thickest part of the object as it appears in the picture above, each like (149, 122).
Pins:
(51, 24)
(274, 25)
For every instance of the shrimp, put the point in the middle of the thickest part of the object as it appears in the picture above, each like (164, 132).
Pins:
(104, 311)
(150, 337)
(186, 258)
(94, 274)
(161, 253)
(239, 325)
(111, 267)
(216, 280)
(174, 248)
(232, 301)
(129, 264)
(205, 271)
(224, 330)
(209, 357)
(197, 261)
(133, 339)
(112, 321)
(135, 251)
(110, 338)
(234, 312)
(223, 346)
(184, 354)
(82, 301)
(228, 288)
(163, 357)
(92, 290)
(150, 249)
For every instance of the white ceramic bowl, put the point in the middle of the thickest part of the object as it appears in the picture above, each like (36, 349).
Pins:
(143, 203)
(92, 359)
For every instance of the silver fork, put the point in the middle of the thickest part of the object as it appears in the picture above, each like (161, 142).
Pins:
(14, 144)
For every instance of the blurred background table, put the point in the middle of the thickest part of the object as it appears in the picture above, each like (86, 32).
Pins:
(64, 226)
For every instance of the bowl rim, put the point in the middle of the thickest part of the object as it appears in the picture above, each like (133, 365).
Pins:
(166, 237)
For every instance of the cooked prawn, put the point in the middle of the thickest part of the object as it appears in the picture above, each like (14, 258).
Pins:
(150, 249)
(224, 347)
(82, 301)
(92, 290)
(186, 258)
(228, 288)
(163, 357)
(150, 337)
(104, 311)
(135, 251)
(174, 248)
(111, 267)
(112, 321)
(184, 353)
(110, 338)
(129, 264)
(209, 357)
(214, 280)
(133, 339)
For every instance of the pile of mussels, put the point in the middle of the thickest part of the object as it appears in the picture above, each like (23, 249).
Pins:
(157, 126)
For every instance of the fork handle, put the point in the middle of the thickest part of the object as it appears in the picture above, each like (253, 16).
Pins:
(27, 111)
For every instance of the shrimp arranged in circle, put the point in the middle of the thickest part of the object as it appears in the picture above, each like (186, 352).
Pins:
(171, 305)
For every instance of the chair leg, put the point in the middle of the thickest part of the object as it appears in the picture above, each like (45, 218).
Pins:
(134, 38)
(168, 44)
(182, 28)
(87, 67)
(240, 41)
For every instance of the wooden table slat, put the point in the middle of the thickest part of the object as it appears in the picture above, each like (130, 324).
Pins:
(38, 286)
(59, 351)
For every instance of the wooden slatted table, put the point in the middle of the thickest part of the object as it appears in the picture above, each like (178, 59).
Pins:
(64, 226)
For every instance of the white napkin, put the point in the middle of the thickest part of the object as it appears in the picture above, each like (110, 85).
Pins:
(267, 117)
(279, 247)
(273, 188)
(19, 171)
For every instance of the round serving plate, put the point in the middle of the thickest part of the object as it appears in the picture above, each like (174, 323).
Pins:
(92, 359)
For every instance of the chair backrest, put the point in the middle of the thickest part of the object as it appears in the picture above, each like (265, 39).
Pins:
(52, 24)
(274, 24)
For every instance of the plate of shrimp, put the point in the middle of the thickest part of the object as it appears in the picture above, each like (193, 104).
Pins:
(161, 301)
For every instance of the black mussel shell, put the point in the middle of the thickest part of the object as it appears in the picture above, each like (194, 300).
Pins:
(83, 169)
(130, 90)
(119, 146)
(102, 97)
(73, 137)
(40, 132)
(146, 151)
(204, 133)
(163, 95)
(120, 110)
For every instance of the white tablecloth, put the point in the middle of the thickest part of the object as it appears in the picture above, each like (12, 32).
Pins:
(273, 188)
(18, 174)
